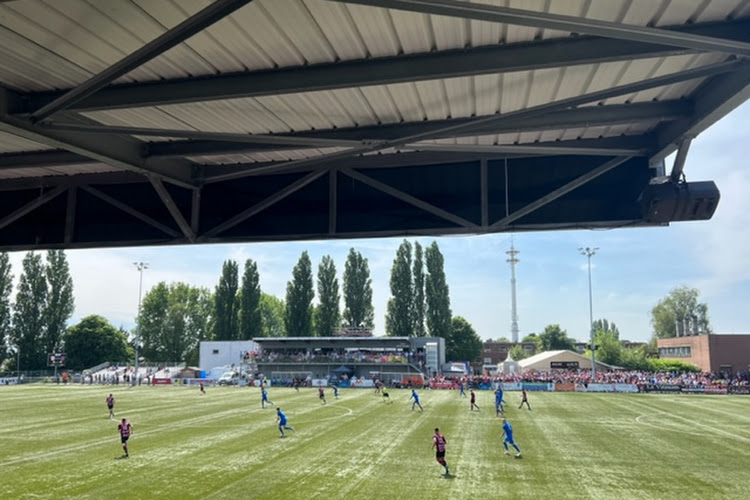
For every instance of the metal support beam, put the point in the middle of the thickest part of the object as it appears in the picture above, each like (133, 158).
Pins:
(332, 200)
(679, 160)
(132, 211)
(498, 14)
(32, 205)
(70, 214)
(557, 193)
(266, 139)
(681, 76)
(174, 211)
(382, 71)
(113, 151)
(589, 116)
(484, 191)
(195, 210)
(524, 149)
(713, 100)
(396, 193)
(259, 207)
(189, 27)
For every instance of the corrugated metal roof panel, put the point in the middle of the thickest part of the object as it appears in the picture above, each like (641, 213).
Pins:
(10, 143)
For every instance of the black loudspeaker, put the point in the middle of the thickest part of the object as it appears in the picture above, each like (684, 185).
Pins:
(666, 201)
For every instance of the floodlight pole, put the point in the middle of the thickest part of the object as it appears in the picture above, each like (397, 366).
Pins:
(590, 252)
(140, 266)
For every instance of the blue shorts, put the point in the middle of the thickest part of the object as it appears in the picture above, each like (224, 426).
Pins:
(509, 439)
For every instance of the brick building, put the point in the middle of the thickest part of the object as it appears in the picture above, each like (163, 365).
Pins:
(494, 352)
(713, 353)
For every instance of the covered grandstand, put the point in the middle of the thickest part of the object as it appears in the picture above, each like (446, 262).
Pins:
(343, 359)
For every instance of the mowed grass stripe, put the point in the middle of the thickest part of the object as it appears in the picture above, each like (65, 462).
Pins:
(187, 445)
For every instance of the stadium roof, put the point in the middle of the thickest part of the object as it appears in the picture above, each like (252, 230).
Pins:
(132, 122)
(331, 342)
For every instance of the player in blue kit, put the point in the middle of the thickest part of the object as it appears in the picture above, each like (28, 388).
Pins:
(415, 397)
(281, 419)
(499, 401)
(508, 438)
(264, 397)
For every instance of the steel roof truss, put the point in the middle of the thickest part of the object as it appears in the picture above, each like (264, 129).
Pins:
(499, 14)
(379, 71)
(561, 191)
(259, 207)
(112, 151)
(189, 27)
(541, 109)
(396, 193)
(679, 159)
(132, 211)
(174, 211)
(32, 205)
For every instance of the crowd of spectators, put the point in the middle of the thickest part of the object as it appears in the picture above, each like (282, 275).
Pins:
(348, 356)
(637, 377)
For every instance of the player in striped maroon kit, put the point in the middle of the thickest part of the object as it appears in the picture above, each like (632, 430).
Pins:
(438, 443)
(125, 430)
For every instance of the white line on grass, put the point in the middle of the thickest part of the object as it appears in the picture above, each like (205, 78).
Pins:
(697, 424)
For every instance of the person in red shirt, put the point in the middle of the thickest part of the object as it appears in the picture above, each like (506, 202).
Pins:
(322, 394)
(473, 399)
(111, 405)
(125, 430)
(438, 444)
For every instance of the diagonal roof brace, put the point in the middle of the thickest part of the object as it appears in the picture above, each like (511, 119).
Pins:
(561, 191)
(189, 27)
(112, 151)
(498, 14)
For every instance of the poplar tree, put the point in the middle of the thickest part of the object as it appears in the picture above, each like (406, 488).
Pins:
(437, 294)
(28, 332)
(358, 310)
(250, 316)
(226, 305)
(299, 297)
(399, 320)
(327, 314)
(418, 303)
(60, 303)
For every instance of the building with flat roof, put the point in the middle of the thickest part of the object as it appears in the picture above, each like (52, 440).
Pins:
(728, 353)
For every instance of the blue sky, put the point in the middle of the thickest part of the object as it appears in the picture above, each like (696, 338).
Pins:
(632, 271)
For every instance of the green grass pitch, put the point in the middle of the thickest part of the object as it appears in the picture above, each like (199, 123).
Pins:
(57, 442)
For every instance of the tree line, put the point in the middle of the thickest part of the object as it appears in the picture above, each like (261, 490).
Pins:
(175, 317)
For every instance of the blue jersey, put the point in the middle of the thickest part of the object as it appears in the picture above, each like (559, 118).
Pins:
(263, 394)
(508, 432)
(282, 417)
(498, 396)
(414, 395)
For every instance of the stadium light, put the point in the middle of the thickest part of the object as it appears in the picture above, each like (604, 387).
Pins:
(590, 252)
(140, 266)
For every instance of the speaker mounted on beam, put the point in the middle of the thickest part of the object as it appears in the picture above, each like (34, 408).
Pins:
(664, 200)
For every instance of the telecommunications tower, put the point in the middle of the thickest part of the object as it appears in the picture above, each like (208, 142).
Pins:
(513, 314)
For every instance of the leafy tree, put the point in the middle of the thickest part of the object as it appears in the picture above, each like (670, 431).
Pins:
(680, 305)
(554, 338)
(272, 312)
(299, 296)
(608, 347)
(327, 314)
(358, 310)
(6, 286)
(634, 358)
(399, 321)
(533, 337)
(250, 315)
(418, 303)
(503, 339)
(28, 314)
(437, 295)
(602, 325)
(517, 352)
(463, 344)
(174, 319)
(226, 324)
(94, 340)
(60, 304)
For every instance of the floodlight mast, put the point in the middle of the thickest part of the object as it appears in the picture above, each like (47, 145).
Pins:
(589, 252)
(140, 266)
